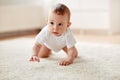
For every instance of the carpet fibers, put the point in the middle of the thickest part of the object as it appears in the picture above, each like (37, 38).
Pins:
(96, 61)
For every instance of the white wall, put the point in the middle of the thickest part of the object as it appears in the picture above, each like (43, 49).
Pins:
(115, 16)
(24, 15)
(20, 2)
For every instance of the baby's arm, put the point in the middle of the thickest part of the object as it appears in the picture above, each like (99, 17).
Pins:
(72, 53)
(36, 49)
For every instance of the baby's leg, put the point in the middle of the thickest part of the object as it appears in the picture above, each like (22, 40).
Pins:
(65, 49)
(39, 51)
(44, 52)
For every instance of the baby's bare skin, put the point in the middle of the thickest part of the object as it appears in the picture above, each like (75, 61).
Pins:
(44, 52)
(62, 63)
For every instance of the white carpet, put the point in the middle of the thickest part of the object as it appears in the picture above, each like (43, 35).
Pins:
(95, 62)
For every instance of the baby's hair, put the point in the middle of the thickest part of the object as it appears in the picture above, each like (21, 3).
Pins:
(61, 9)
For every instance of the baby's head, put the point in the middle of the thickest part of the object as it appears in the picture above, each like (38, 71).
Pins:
(59, 19)
(61, 9)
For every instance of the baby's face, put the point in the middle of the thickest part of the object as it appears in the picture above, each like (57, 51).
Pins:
(58, 23)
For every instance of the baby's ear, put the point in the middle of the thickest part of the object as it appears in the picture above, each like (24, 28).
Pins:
(69, 23)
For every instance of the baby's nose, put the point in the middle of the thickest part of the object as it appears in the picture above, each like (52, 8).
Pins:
(55, 29)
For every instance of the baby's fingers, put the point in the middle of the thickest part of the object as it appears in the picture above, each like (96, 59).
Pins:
(37, 59)
(31, 59)
(34, 58)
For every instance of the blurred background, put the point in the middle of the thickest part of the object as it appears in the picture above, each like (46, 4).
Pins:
(88, 16)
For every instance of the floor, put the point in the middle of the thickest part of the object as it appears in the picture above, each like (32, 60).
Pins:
(98, 38)
(95, 61)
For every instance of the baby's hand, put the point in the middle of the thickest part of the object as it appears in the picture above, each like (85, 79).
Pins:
(34, 58)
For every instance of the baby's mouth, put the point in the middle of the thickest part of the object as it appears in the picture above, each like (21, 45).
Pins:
(56, 33)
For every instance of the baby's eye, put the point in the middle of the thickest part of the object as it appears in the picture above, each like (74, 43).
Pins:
(51, 23)
(59, 24)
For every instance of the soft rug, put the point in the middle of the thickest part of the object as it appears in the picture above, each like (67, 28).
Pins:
(96, 61)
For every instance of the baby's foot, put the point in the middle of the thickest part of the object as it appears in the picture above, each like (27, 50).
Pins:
(66, 62)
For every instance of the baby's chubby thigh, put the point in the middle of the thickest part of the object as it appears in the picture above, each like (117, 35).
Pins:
(65, 49)
(44, 52)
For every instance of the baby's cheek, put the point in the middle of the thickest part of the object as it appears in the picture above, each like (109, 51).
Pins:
(49, 29)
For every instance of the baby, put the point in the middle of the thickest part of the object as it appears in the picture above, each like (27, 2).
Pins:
(56, 36)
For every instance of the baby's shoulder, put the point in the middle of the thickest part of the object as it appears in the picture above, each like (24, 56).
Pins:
(68, 31)
(45, 28)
